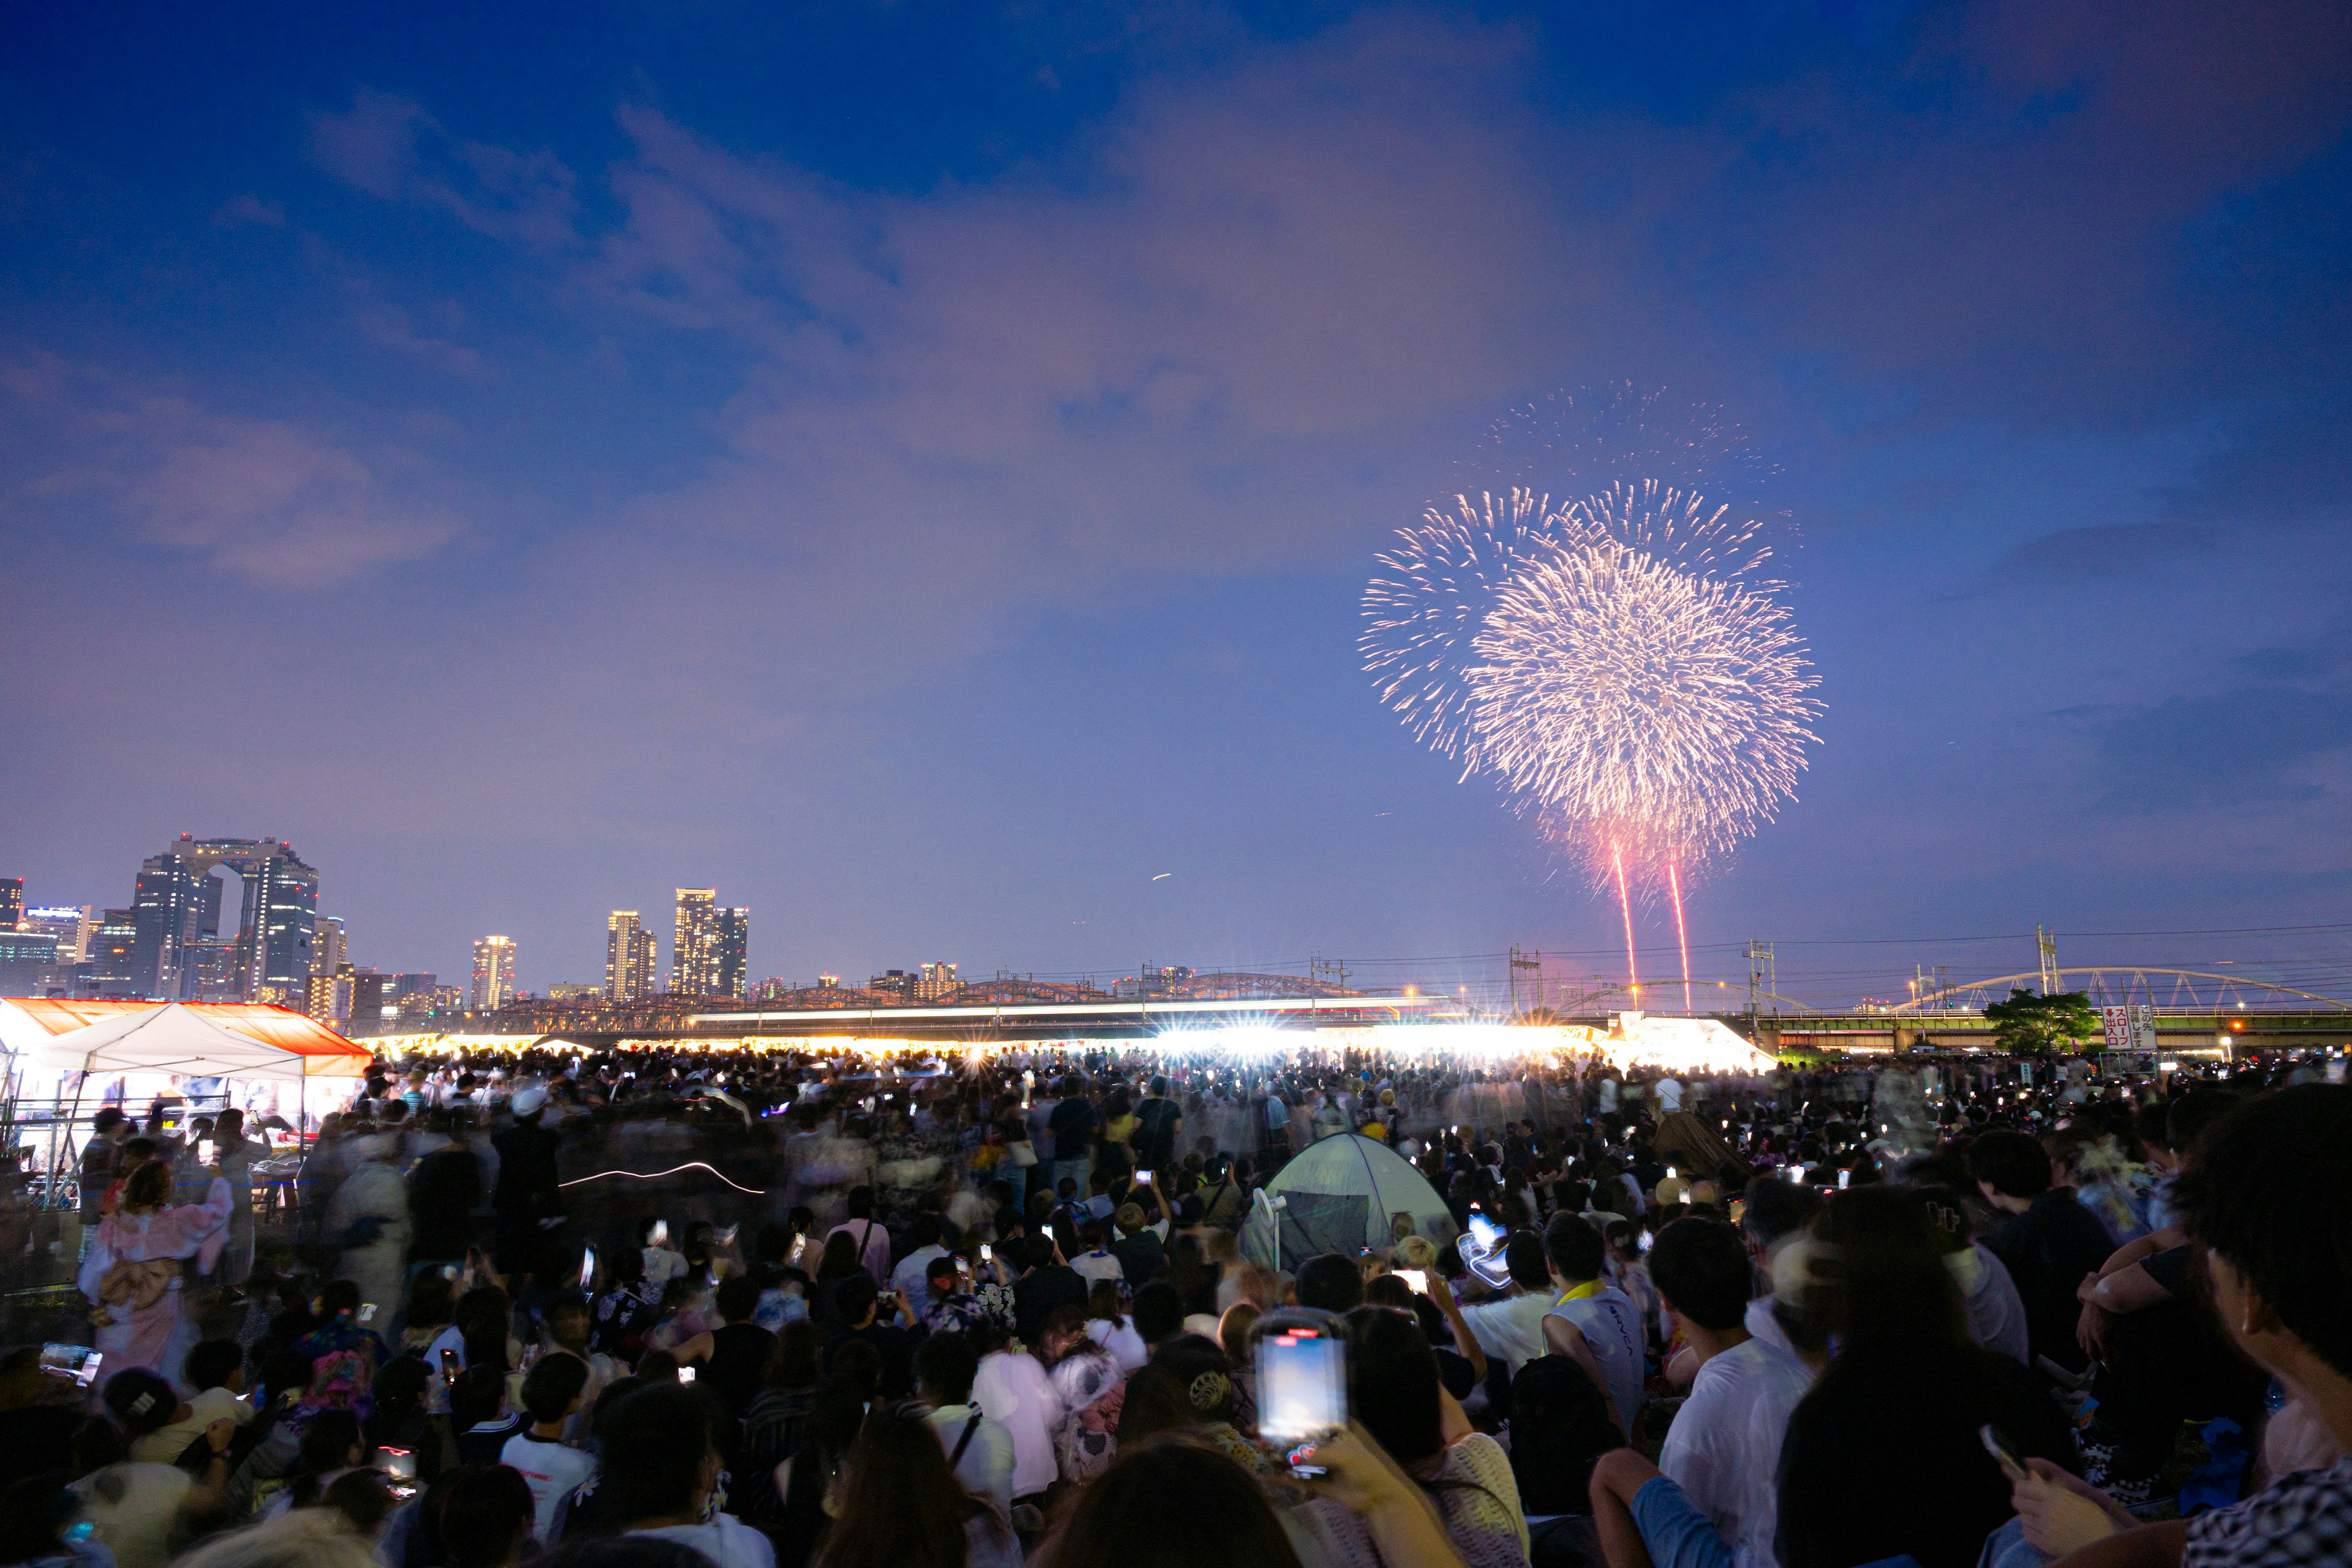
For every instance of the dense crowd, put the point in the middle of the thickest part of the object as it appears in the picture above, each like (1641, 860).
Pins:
(673, 1308)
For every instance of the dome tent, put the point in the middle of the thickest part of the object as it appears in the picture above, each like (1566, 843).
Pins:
(1338, 1194)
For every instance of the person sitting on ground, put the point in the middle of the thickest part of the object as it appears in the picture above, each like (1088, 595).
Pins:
(1393, 1396)
(1330, 1283)
(1882, 1456)
(1709, 1501)
(140, 1510)
(2263, 1199)
(1510, 1327)
(979, 1451)
(215, 1371)
(1591, 1322)
(1158, 1315)
(552, 1395)
(2048, 1242)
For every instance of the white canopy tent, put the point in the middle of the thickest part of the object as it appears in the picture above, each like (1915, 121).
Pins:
(172, 1039)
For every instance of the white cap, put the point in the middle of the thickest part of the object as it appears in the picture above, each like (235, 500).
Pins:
(527, 1102)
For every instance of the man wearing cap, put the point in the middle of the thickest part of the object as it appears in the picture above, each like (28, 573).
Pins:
(527, 1202)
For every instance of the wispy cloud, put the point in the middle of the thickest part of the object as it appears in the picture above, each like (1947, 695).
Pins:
(265, 499)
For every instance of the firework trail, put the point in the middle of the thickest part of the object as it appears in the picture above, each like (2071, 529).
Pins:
(1616, 659)
(1654, 717)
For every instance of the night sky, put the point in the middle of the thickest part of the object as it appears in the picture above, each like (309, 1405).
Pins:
(913, 465)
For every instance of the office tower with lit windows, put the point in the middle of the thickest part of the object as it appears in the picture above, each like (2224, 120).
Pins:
(630, 958)
(494, 981)
(180, 949)
(12, 901)
(694, 944)
(330, 945)
(938, 980)
(732, 976)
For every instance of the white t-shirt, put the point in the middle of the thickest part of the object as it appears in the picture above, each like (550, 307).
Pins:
(553, 1473)
(1126, 1346)
(909, 1279)
(206, 1406)
(1016, 1392)
(132, 1509)
(1724, 1448)
(1669, 1092)
(725, 1540)
(1509, 1330)
(985, 1470)
(1095, 1266)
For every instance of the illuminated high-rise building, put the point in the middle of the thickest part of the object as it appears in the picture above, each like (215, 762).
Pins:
(73, 927)
(12, 901)
(629, 958)
(494, 981)
(179, 944)
(330, 947)
(731, 973)
(938, 980)
(694, 944)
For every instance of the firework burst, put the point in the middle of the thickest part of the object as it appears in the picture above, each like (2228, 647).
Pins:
(1435, 589)
(1662, 717)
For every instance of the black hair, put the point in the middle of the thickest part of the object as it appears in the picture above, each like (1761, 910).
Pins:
(552, 1386)
(1574, 1247)
(738, 1297)
(2265, 1194)
(482, 1511)
(1776, 1208)
(2186, 1117)
(140, 1401)
(212, 1363)
(654, 1444)
(1701, 1268)
(945, 1367)
(1159, 1311)
(1523, 1256)
(2013, 1165)
(854, 1295)
(1392, 1384)
(1331, 1282)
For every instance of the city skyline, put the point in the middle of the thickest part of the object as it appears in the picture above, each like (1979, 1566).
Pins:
(533, 465)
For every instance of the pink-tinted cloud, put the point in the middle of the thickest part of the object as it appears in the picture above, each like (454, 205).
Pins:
(389, 146)
(265, 499)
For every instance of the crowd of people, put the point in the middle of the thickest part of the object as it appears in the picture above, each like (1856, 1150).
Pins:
(689, 1308)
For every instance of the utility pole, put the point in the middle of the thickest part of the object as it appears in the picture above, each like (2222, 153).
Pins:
(1525, 961)
(1762, 969)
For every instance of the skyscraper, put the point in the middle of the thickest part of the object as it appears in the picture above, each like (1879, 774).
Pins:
(734, 934)
(629, 958)
(330, 947)
(694, 946)
(494, 981)
(176, 913)
(12, 901)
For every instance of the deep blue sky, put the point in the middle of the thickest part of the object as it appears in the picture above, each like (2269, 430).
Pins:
(912, 465)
